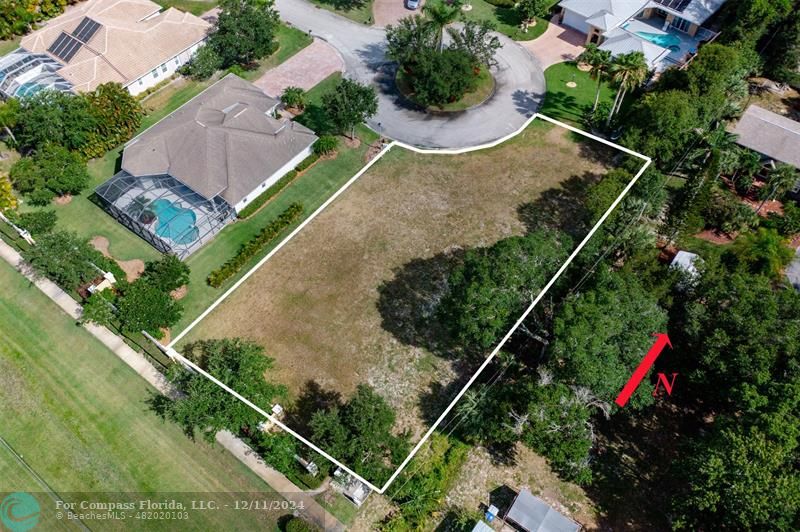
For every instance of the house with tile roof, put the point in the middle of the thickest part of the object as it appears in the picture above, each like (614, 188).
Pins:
(667, 32)
(188, 176)
(132, 42)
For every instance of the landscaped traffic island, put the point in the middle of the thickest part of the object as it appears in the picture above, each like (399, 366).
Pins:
(481, 90)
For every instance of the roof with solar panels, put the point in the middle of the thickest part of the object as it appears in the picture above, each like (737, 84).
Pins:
(100, 41)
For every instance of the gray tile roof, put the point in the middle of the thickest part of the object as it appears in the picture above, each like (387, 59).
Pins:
(223, 142)
(769, 133)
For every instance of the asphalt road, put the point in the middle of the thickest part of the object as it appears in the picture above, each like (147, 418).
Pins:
(520, 84)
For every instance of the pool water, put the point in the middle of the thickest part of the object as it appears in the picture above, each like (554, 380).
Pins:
(665, 40)
(175, 222)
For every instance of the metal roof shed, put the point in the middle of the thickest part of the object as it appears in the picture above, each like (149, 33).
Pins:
(532, 514)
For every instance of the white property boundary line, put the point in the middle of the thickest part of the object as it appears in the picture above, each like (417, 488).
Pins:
(170, 349)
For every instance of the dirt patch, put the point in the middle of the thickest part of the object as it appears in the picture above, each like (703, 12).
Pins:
(481, 477)
(179, 293)
(374, 510)
(353, 143)
(326, 305)
(63, 200)
(133, 268)
(165, 338)
(715, 237)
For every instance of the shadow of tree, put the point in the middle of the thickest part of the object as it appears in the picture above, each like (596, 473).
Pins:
(344, 5)
(562, 106)
(312, 398)
(408, 303)
(527, 102)
(560, 208)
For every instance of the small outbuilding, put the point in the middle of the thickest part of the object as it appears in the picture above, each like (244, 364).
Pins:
(532, 514)
(687, 262)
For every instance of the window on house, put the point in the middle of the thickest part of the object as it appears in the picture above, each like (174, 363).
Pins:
(164, 67)
(141, 81)
(155, 73)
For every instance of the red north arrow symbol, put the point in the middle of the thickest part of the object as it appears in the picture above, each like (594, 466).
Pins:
(662, 340)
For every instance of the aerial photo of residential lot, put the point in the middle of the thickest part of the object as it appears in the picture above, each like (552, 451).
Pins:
(399, 265)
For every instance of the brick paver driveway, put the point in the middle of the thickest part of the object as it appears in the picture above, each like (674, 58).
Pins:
(304, 69)
(385, 12)
(556, 45)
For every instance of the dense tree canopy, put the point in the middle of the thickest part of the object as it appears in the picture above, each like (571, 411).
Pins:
(64, 258)
(52, 171)
(245, 31)
(350, 104)
(143, 306)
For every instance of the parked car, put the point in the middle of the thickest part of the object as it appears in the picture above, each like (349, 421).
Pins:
(412, 4)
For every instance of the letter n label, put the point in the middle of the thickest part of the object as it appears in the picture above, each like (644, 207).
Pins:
(668, 384)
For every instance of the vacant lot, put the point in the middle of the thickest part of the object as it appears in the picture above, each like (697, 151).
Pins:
(78, 417)
(319, 306)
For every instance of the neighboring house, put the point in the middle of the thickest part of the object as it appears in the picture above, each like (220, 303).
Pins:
(774, 136)
(667, 32)
(186, 177)
(532, 514)
(131, 42)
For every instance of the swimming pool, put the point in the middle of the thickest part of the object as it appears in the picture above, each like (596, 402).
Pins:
(175, 222)
(665, 40)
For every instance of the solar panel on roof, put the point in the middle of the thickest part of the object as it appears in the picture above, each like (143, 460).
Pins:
(86, 29)
(65, 47)
(677, 5)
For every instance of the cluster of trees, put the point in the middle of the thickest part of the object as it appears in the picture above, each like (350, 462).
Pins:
(18, 17)
(244, 33)
(56, 132)
(438, 74)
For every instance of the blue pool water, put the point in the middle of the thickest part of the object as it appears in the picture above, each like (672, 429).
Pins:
(175, 222)
(665, 40)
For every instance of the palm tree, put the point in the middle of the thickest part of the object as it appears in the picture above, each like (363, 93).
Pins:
(439, 16)
(628, 71)
(599, 61)
(781, 179)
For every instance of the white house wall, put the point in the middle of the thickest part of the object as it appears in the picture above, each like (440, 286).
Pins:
(574, 20)
(163, 71)
(271, 180)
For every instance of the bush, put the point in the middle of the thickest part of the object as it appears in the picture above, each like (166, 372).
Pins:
(267, 195)
(37, 222)
(251, 248)
(167, 274)
(789, 223)
(502, 3)
(203, 65)
(443, 77)
(296, 524)
(294, 97)
(325, 145)
(306, 163)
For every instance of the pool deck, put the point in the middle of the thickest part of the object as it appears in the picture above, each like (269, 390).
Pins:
(687, 45)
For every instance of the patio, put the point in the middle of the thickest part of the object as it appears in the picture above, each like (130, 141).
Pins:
(681, 45)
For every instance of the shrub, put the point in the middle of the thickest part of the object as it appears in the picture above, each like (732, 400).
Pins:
(203, 65)
(294, 97)
(502, 3)
(789, 223)
(296, 524)
(267, 195)
(37, 222)
(306, 163)
(168, 273)
(443, 77)
(250, 248)
(326, 144)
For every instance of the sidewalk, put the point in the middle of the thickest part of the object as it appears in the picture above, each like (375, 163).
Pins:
(282, 485)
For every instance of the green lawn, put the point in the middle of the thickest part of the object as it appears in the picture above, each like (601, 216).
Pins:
(78, 417)
(571, 103)
(357, 10)
(505, 19)
(9, 45)
(338, 505)
(196, 7)
(87, 219)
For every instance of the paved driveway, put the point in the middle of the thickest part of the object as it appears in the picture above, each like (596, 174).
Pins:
(556, 45)
(519, 92)
(386, 12)
(304, 69)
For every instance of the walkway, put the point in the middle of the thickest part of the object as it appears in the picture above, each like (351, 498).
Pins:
(520, 84)
(304, 69)
(282, 485)
(556, 45)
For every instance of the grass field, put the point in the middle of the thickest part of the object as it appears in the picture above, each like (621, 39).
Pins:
(570, 103)
(505, 19)
(78, 417)
(356, 10)
(9, 45)
(323, 299)
(195, 7)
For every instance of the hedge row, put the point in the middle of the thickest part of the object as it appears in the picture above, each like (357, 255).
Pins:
(279, 185)
(250, 248)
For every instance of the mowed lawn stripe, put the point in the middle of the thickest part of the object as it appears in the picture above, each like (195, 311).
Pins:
(78, 416)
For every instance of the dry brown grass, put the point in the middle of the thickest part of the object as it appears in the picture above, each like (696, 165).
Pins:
(315, 304)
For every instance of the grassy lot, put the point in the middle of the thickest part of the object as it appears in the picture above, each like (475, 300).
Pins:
(357, 10)
(570, 103)
(338, 505)
(342, 288)
(87, 219)
(195, 7)
(78, 417)
(505, 19)
(9, 45)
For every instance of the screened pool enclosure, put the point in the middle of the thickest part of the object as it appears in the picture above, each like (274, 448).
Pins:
(165, 212)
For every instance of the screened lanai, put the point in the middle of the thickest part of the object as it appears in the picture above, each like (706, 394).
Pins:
(165, 212)
(23, 73)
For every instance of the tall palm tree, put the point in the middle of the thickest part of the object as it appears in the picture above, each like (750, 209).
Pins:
(628, 71)
(439, 16)
(781, 179)
(599, 61)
